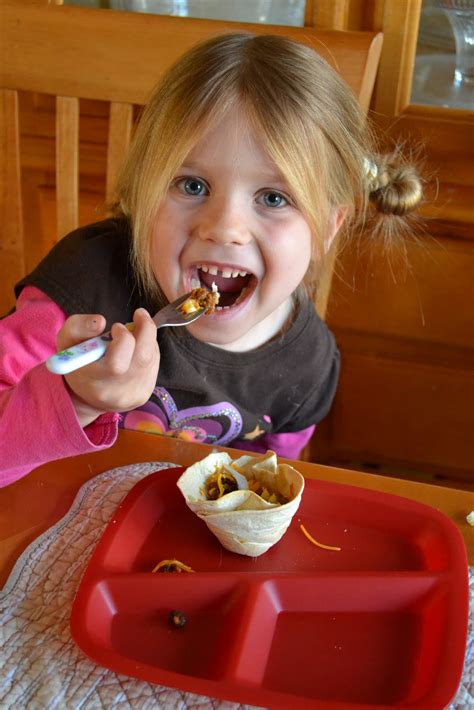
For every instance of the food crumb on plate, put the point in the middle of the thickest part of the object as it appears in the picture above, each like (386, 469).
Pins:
(177, 618)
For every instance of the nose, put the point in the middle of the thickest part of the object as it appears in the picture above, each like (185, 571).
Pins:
(223, 221)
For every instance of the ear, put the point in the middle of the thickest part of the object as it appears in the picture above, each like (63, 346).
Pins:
(336, 220)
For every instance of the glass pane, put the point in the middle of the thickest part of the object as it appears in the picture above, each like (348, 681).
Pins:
(273, 12)
(444, 65)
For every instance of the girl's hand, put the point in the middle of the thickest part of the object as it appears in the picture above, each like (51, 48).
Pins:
(124, 377)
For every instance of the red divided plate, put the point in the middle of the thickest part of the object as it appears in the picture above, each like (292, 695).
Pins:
(382, 623)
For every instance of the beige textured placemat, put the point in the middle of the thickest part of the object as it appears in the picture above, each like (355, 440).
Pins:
(41, 666)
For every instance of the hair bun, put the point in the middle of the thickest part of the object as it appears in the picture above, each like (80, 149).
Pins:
(396, 189)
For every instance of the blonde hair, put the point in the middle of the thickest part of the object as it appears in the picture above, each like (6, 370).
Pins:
(310, 123)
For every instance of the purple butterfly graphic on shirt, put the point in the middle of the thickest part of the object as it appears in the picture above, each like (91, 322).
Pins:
(217, 423)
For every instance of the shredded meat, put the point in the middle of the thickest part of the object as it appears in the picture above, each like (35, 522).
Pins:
(200, 298)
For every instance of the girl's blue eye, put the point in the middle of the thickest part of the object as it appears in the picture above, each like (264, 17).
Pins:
(193, 186)
(273, 199)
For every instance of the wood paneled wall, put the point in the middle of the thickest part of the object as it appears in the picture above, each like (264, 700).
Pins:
(405, 321)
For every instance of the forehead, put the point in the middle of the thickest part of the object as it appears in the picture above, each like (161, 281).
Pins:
(233, 140)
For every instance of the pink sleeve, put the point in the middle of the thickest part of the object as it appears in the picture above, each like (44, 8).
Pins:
(288, 445)
(38, 422)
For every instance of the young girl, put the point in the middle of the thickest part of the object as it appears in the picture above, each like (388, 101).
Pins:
(248, 160)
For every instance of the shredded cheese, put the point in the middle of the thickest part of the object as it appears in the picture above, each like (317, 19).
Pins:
(315, 542)
(172, 563)
(237, 468)
(220, 483)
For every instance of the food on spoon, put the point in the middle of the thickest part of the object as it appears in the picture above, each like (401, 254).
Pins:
(255, 514)
(201, 298)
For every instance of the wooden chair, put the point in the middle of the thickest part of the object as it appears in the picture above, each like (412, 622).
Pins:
(77, 54)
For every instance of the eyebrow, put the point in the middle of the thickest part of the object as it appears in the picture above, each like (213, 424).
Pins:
(189, 165)
(262, 175)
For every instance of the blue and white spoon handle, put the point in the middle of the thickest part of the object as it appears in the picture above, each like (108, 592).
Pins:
(77, 356)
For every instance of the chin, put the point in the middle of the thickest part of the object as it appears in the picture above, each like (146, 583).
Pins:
(233, 339)
(215, 334)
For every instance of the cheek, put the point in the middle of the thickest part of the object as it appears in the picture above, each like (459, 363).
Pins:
(307, 246)
(295, 251)
(168, 244)
(165, 234)
(160, 251)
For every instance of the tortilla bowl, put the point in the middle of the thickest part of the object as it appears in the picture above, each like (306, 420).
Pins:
(242, 520)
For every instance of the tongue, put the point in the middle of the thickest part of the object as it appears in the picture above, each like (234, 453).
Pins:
(227, 298)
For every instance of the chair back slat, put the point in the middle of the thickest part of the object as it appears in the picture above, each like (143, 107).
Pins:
(67, 164)
(126, 53)
(11, 217)
(120, 133)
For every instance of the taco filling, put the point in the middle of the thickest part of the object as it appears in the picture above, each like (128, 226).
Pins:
(233, 284)
(266, 492)
(201, 298)
(219, 484)
(223, 482)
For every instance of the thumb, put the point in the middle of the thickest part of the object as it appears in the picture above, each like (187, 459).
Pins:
(78, 328)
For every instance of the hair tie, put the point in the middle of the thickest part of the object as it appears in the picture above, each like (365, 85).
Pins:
(371, 170)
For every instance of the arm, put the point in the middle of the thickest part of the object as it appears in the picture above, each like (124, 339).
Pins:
(38, 421)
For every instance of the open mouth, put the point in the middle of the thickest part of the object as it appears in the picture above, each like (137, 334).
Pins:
(233, 285)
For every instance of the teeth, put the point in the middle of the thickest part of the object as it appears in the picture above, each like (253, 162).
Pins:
(225, 274)
(195, 283)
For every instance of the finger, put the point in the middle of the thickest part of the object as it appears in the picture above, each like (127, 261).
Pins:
(79, 327)
(146, 348)
(120, 351)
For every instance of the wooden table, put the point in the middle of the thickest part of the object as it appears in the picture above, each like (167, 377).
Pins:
(37, 501)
